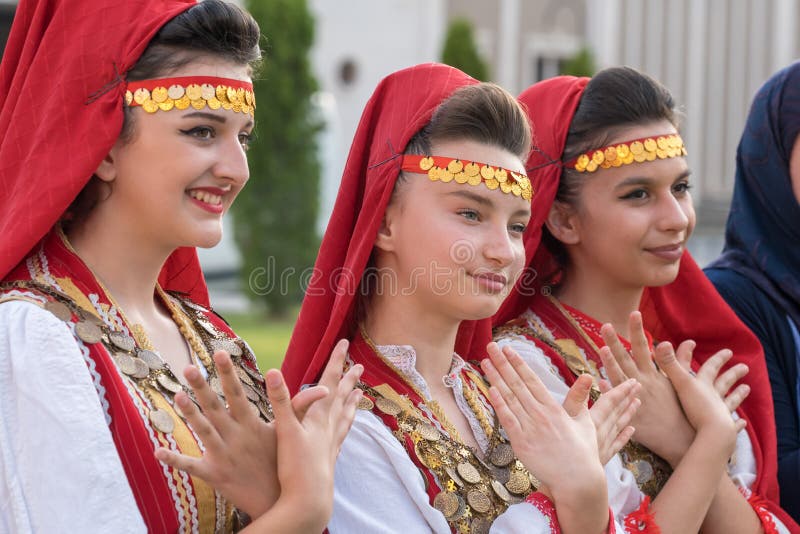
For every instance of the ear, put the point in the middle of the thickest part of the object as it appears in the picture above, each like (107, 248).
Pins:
(386, 234)
(107, 170)
(562, 221)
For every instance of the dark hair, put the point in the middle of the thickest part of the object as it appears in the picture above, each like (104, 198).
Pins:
(615, 99)
(484, 112)
(212, 28)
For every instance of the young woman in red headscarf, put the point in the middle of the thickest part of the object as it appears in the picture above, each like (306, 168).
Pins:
(125, 126)
(425, 241)
(614, 242)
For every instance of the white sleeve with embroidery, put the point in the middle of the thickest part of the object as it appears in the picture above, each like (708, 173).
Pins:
(59, 468)
(378, 489)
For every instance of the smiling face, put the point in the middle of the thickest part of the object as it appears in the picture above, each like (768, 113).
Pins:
(180, 172)
(455, 248)
(629, 225)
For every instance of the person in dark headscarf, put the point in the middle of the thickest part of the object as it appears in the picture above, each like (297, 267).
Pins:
(758, 272)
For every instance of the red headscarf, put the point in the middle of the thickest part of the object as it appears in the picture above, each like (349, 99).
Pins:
(402, 104)
(62, 81)
(671, 312)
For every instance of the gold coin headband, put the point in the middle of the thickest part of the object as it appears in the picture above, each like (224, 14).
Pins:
(469, 172)
(196, 91)
(635, 151)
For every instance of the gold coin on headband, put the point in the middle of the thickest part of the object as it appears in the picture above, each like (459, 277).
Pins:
(650, 145)
(610, 153)
(661, 142)
(426, 163)
(198, 103)
(623, 151)
(491, 183)
(162, 421)
(194, 92)
(479, 501)
(455, 166)
(208, 91)
(487, 172)
(446, 503)
(150, 106)
(598, 157)
(472, 169)
(474, 180)
(637, 147)
(175, 92)
(583, 161)
(183, 102)
(88, 332)
(128, 98)
(461, 177)
(141, 95)
(59, 309)
(501, 175)
(159, 94)
(166, 105)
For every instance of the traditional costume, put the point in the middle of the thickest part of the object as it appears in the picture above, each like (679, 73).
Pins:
(403, 467)
(84, 399)
(758, 272)
(560, 342)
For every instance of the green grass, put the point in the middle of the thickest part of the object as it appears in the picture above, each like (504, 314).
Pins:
(267, 337)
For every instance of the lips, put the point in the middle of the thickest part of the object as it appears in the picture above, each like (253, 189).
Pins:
(493, 282)
(207, 198)
(670, 253)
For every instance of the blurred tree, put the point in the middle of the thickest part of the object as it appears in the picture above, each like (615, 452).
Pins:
(581, 64)
(274, 218)
(460, 50)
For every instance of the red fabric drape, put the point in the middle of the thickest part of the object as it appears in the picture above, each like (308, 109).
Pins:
(61, 96)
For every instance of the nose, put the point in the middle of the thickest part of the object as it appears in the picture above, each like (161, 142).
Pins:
(499, 247)
(231, 164)
(674, 214)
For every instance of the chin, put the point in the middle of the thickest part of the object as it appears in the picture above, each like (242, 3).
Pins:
(481, 308)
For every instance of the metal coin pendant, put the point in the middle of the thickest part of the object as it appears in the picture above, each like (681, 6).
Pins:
(243, 376)
(518, 483)
(162, 421)
(168, 384)
(152, 359)
(468, 472)
(479, 501)
(365, 403)
(125, 363)
(643, 471)
(227, 345)
(142, 370)
(447, 503)
(502, 455)
(88, 332)
(122, 341)
(454, 476)
(501, 491)
(216, 386)
(428, 431)
(387, 406)
(480, 525)
(59, 309)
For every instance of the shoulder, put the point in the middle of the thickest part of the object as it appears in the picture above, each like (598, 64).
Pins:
(749, 302)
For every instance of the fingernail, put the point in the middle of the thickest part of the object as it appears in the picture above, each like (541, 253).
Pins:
(273, 379)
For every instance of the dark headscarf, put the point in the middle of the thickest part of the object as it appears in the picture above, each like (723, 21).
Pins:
(762, 237)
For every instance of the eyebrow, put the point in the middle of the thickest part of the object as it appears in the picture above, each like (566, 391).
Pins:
(646, 180)
(484, 201)
(212, 117)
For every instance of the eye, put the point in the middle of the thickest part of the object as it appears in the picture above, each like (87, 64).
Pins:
(636, 194)
(200, 132)
(517, 228)
(681, 188)
(470, 215)
(245, 139)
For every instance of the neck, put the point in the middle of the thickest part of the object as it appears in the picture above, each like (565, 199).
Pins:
(399, 320)
(601, 299)
(126, 264)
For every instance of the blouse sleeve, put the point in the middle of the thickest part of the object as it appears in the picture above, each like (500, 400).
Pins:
(378, 489)
(59, 467)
